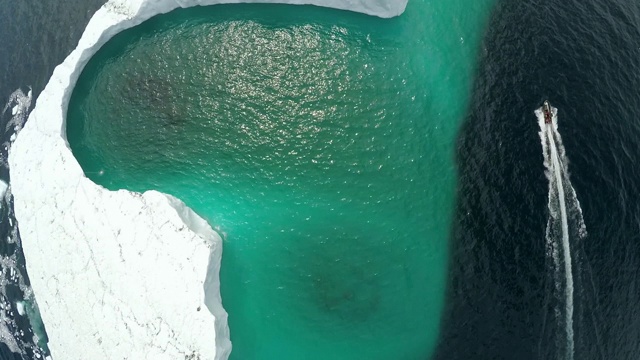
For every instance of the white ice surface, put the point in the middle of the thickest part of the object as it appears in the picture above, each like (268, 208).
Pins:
(20, 307)
(119, 275)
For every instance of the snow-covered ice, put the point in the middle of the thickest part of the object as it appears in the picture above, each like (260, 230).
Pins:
(20, 307)
(119, 274)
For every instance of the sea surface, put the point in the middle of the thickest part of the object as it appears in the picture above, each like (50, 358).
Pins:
(320, 144)
(384, 187)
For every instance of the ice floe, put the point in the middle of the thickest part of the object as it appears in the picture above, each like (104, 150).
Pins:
(119, 274)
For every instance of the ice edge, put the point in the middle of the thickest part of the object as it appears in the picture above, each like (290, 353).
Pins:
(104, 291)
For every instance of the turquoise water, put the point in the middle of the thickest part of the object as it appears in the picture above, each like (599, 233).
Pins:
(318, 142)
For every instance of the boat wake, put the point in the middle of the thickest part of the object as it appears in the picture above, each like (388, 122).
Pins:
(564, 227)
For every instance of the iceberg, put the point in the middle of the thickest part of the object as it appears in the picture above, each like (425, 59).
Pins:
(119, 274)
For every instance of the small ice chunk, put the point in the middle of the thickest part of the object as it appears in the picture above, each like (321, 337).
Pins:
(3, 188)
(20, 306)
(15, 109)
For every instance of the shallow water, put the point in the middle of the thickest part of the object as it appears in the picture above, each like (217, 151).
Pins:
(318, 142)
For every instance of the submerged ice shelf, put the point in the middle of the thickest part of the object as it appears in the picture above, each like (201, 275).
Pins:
(119, 274)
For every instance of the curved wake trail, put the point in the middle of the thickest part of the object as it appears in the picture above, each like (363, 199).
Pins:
(564, 226)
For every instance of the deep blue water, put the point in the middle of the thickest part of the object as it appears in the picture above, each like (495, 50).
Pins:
(584, 57)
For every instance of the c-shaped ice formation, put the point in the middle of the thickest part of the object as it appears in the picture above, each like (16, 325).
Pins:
(117, 274)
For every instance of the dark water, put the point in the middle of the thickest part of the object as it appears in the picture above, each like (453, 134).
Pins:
(581, 55)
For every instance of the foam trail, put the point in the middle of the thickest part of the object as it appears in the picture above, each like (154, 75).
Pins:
(565, 246)
(565, 224)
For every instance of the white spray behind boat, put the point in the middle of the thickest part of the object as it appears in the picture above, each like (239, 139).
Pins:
(565, 224)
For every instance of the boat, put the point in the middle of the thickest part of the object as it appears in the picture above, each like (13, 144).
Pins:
(546, 110)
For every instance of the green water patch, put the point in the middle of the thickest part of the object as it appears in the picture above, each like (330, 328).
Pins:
(318, 142)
